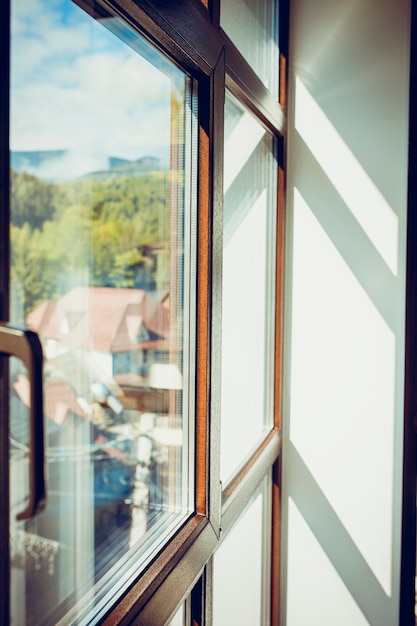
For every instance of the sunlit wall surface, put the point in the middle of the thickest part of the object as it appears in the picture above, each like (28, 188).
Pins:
(101, 195)
(345, 313)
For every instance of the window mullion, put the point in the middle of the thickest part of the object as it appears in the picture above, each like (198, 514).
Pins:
(215, 318)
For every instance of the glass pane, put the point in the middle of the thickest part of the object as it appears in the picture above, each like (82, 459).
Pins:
(241, 567)
(250, 178)
(252, 25)
(102, 267)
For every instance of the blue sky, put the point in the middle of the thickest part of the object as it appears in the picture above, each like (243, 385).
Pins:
(78, 87)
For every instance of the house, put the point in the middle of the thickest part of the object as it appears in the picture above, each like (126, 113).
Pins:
(123, 331)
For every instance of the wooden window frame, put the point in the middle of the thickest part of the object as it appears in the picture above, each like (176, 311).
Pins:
(188, 31)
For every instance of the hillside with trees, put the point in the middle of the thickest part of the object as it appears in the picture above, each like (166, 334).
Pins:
(104, 230)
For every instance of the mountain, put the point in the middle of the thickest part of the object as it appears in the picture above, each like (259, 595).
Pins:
(123, 167)
(25, 161)
(60, 165)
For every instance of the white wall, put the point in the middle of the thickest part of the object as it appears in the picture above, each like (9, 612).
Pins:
(345, 295)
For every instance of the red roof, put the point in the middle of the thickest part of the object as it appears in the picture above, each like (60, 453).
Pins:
(101, 318)
(59, 397)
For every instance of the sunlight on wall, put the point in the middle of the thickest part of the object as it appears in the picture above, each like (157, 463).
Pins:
(340, 608)
(345, 345)
(358, 191)
(345, 312)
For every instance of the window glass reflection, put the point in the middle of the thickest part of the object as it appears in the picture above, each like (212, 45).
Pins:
(101, 268)
(241, 581)
(249, 223)
(252, 25)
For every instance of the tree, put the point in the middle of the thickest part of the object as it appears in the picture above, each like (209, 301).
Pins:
(88, 231)
(32, 200)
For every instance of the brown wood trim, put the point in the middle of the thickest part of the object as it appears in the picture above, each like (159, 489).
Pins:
(284, 25)
(238, 491)
(408, 544)
(279, 293)
(203, 321)
(213, 8)
(274, 118)
(216, 226)
(203, 298)
(279, 325)
(181, 28)
(245, 85)
(215, 12)
(172, 576)
(183, 32)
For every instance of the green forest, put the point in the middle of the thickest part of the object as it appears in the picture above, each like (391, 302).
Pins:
(97, 230)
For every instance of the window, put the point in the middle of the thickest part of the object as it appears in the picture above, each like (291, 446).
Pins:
(249, 227)
(255, 34)
(146, 237)
(101, 206)
(241, 565)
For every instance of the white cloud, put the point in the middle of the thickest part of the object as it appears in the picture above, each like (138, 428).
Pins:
(76, 86)
(69, 165)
